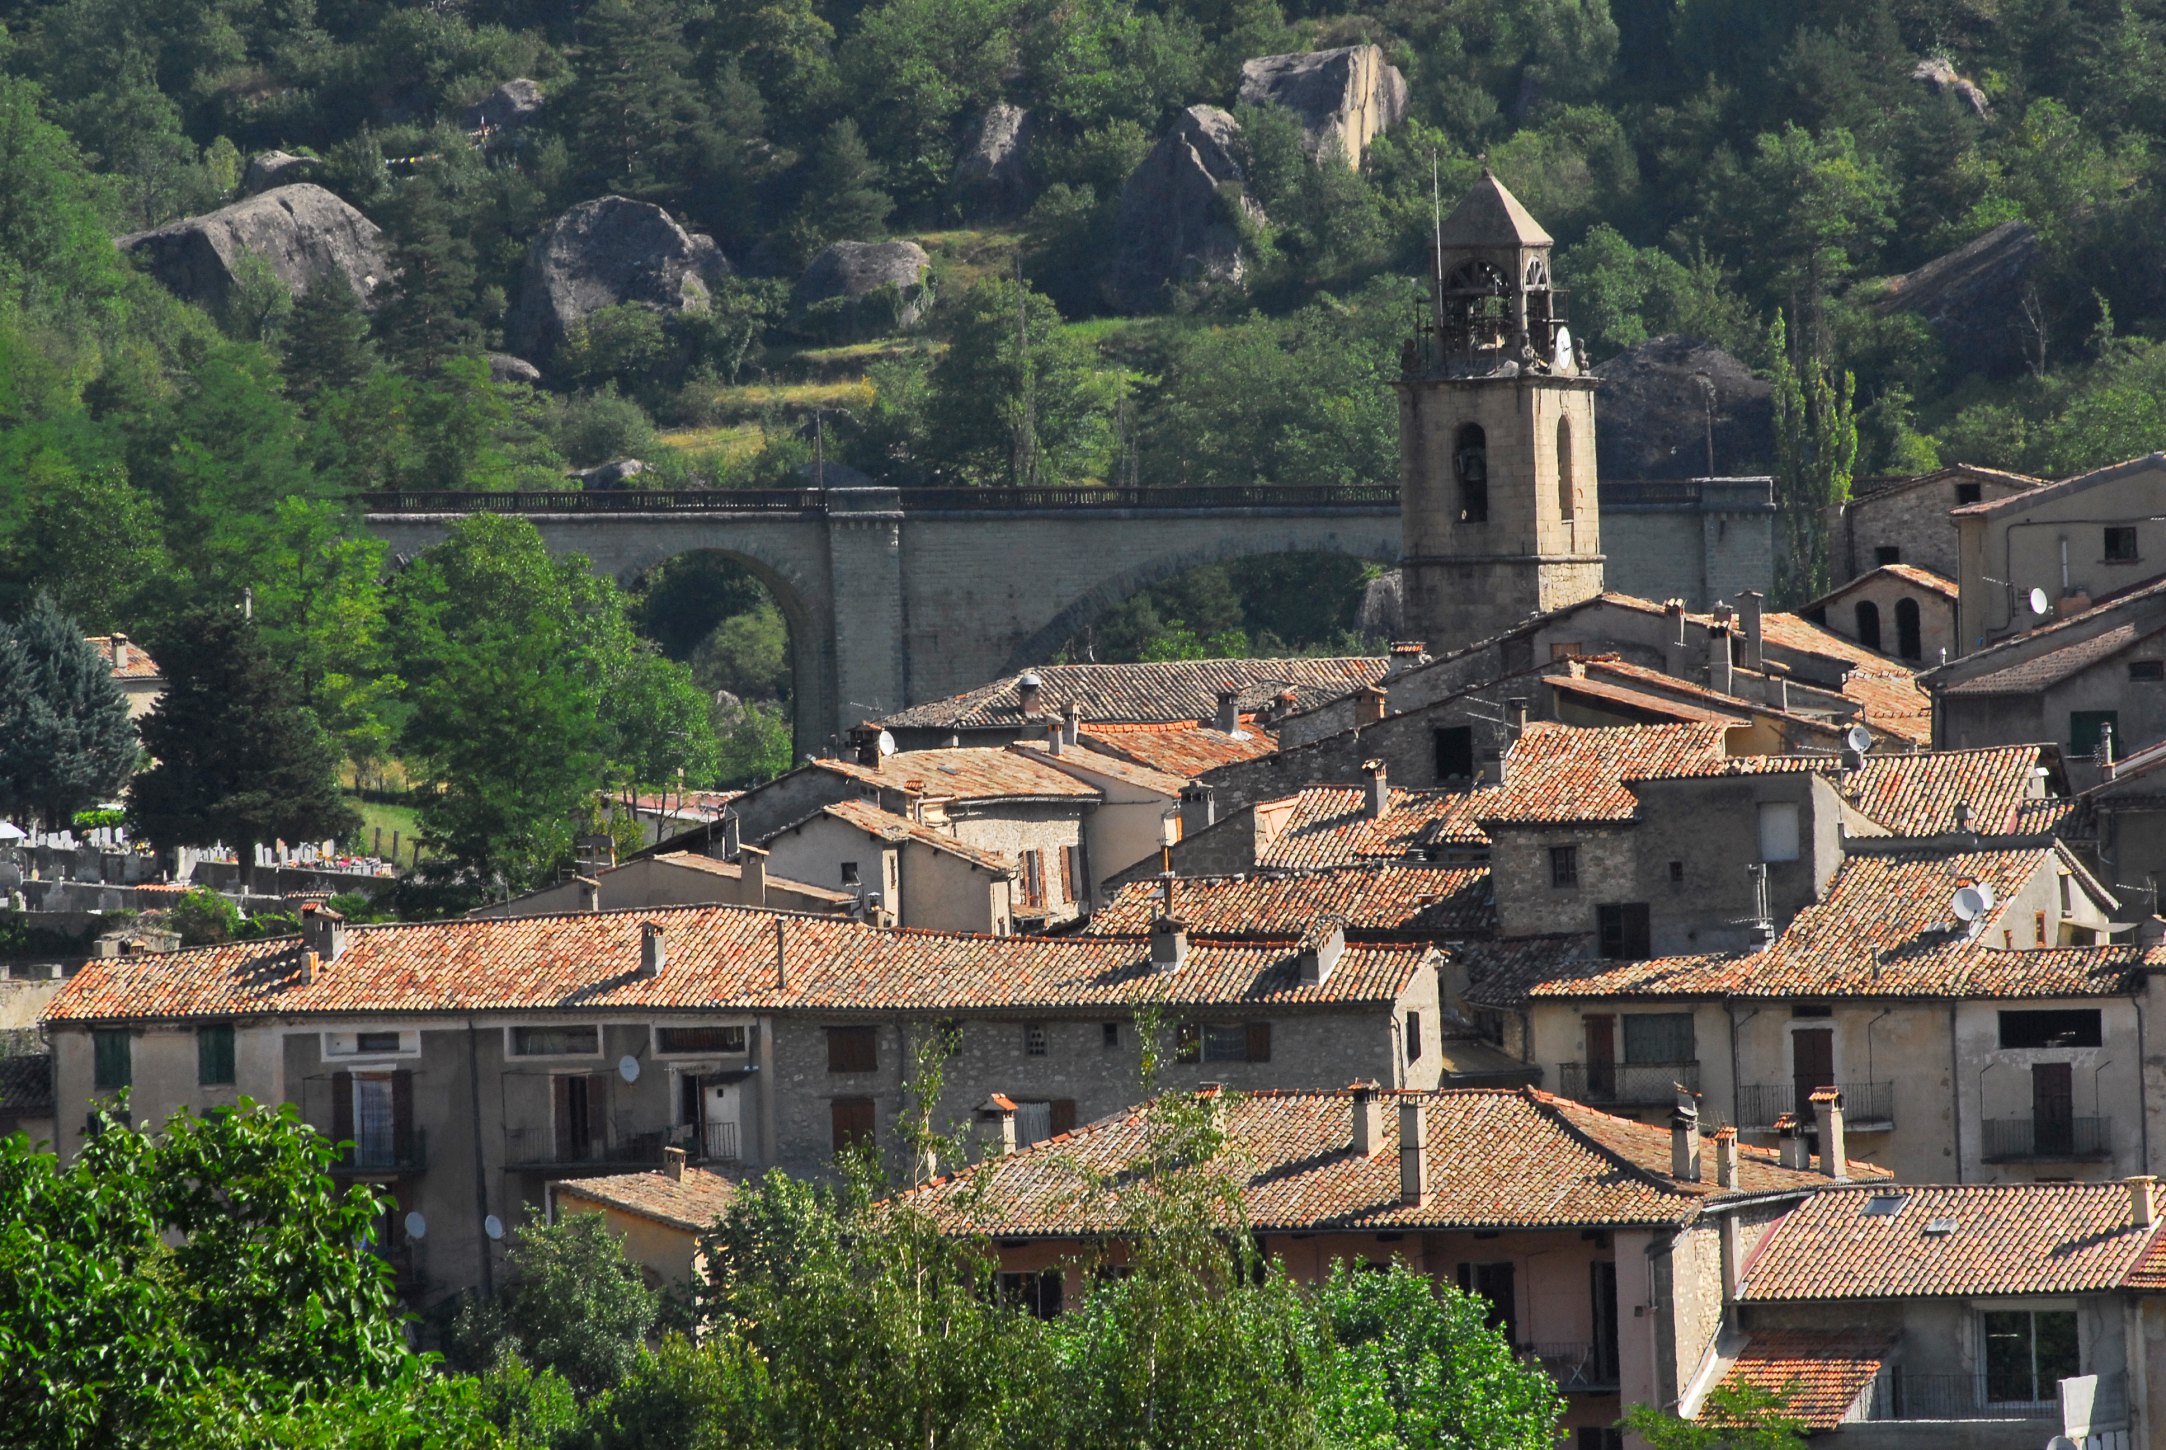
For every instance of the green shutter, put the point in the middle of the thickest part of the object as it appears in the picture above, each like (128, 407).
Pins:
(114, 1066)
(214, 1054)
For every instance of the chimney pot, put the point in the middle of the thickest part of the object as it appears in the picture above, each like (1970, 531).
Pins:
(1516, 707)
(1754, 602)
(1673, 638)
(1169, 945)
(324, 930)
(1071, 723)
(1378, 785)
(1726, 1157)
(308, 967)
(1321, 946)
(1368, 705)
(2142, 1199)
(1368, 1120)
(752, 875)
(998, 1115)
(673, 1164)
(1719, 668)
(650, 949)
(1229, 711)
(1413, 1154)
(590, 893)
(1055, 739)
(1685, 1142)
(1029, 691)
(1828, 1112)
(1790, 1145)
(120, 651)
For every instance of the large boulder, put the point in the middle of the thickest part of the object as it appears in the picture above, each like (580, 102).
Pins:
(1939, 76)
(1972, 298)
(606, 253)
(507, 108)
(992, 173)
(1349, 95)
(504, 368)
(306, 234)
(855, 288)
(1654, 406)
(268, 169)
(1181, 213)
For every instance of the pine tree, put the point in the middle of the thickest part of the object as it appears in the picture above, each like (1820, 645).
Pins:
(843, 198)
(66, 741)
(431, 312)
(634, 110)
(327, 343)
(239, 760)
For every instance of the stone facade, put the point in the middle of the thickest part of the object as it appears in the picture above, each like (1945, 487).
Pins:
(2078, 541)
(1906, 520)
(1895, 611)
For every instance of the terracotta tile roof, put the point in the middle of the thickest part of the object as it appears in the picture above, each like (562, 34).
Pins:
(1499, 973)
(694, 861)
(2069, 817)
(971, 773)
(1947, 1241)
(1820, 1374)
(1421, 900)
(1329, 825)
(1786, 631)
(888, 826)
(1498, 1158)
(1916, 794)
(2150, 1270)
(693, 1202)
(1181, 749)
(1651, 703)
(140, 666)
(2054, 665)
(26, 1084)
(1155, 693)
(1884, 930)
(1892, 702)
(1562, 773)
(1081, 761)
(718, 957)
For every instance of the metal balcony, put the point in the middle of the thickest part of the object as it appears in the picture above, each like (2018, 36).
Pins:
(1576, 1368)
(1901, 1395)
(1626, 1084)
(373, 1156)
(2018, 1140)
(1867, 1106)
(706, 1143)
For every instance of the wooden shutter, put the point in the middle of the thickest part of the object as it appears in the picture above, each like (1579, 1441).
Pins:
(853, 1049)
(1034, 878)
(341, 1107)
(1063, 1116)
(562, 1104)
(402, 1117)
(1068, 872)
(852, 1121)
(598, 1113)
(1187, 1042)
(1259, 1042)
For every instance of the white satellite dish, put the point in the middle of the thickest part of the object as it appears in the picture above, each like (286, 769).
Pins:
(1970, 903)
(2039, 603)
(628, 1068)
(1859, 738)
(1561, 360)
(417, 1227)
(493, 1226)
(885, 744)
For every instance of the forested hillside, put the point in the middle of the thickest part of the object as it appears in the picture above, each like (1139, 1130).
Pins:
(1750, 173)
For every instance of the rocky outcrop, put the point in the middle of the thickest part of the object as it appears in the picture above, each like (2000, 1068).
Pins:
(504, 368)
(1940, 77)
(1972, 298)
(268, 169)
(606, 253)
(303, 232)
(1349, 95)
(992, 173)
(1180, 218)
(855, 288)
(507, 108)
(1382, 614)
(1654, 413)
(617, 473)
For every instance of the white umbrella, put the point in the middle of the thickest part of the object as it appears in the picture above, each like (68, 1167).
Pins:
(9, 831)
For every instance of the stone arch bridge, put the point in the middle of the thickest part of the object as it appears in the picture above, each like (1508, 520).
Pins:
(896, 597)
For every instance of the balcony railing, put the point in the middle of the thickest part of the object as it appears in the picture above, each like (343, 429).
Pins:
(2013, 1140)
(1581, 1368)
(706, 1143)
(375, 1156)
(544, 1148)
(1900, 1395)
(1865, 1104)
(1634, 1084)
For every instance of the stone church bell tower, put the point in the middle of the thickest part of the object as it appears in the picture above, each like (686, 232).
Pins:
(1496, 435)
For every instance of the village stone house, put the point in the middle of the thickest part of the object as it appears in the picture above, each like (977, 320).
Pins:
(1898, 609)
(676, 878)
(1910, 521)
(2077, 543)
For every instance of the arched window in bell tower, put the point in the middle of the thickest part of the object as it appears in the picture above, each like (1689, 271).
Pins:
(1470, 463)
(1564, 469)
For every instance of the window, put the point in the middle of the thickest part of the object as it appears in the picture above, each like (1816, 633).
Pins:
(555, 1041)
(378, 1042)
(1909, 636)
(1498, 1284)
(1413, 1037)
(1109, 1035)
(1886, 554)
(1187, 1042)
(2028, 1352)
(1454, 752)
(1622, 930)
(2087, 727)
(1034, 1039)
(853, 1049)
(2068, 1027)
(1968, 493)
(372, 1044)
(1039, 1293)
(1651, 1037)
(2147, 672)
(1222, 1042)
(2039, 921)
(1868, 617)
(851, 1121)
(1069, 872)
(1470, 463)
(1034, 878)
(1597, 1437)
(730, 1038)
(1564, 469)
(2121, 544)
(214, 1055)
(1677, 873)
(1563, 866)
(374, 1111)
(1778, 831)
(113, 1060)
(849, 874)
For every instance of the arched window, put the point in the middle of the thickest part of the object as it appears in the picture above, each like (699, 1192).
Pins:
(1868, 624)
(1470, 463)
(1907, 641)
(1564, 469)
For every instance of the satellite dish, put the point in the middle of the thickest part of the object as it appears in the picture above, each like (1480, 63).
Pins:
(1970, 903)
(1561, 360)
(886, 744)
(628, 1068)
(2039, 603)
(417, 1227)
(493, 1226)
(1859, 739)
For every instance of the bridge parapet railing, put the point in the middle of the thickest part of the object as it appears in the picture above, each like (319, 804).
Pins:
(599, 501)
(914, 500)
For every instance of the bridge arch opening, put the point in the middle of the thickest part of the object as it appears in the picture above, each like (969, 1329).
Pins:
(1261, 605)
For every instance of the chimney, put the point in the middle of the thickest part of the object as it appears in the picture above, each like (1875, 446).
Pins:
(1673, 638)
(752, 876)
(1755, 654)
(1199, 808)
(2142, 1199)
(1169, 944)
(1791, 1148)
(1378, 786)
(673, 1164)
(1071, 723)
(1685, 1141)
(1962, 818)
(1413, 1154)
(1368, 1120)
(865, 739)
(1321, 946)
(650, 949)
(1778, 687)
(324, 930)
(308, 968)
(1718, 660)
(998, 1116)
(1726, 1157)
(1229, 711)
(1029, 690)
(732, 835)
(2105, 745)
(590, 893)
(119, 644)
(1368, 705)
(1828, 1112)
(1055, 740)
(1516, 709)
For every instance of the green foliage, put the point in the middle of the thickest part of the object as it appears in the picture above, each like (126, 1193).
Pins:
(204, 918)
(756, 744)
(1014, 400)
(66, 741)
(576, 1307)
(603, 427)
(1816, 446)
(1735, 1417)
